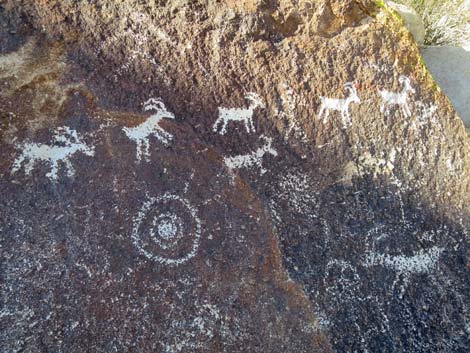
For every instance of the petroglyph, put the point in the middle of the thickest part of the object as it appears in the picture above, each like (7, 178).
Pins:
(66, 142)
(398, 98)
(167, 230)
(341, 105)
(252, 159)
(244, 115)
(423, 261)
(141, 133)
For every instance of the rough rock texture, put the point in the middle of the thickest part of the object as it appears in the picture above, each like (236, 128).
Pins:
(132, 223)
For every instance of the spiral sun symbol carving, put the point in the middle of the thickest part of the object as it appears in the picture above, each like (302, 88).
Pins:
(167, 230)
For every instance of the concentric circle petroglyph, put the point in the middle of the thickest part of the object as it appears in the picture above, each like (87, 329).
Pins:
(167, 229)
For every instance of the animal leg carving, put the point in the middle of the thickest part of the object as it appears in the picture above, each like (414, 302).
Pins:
(139, 149)
(214, 127)
(224, 127)
(28, 168)
(147, 150)
(252, 125)
(69, 168)
(54, 170)
(164, 136)
(346, 118)
(327, 114)
(247, 126)
(320, 113)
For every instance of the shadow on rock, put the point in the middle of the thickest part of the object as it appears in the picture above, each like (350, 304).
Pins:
(385, 273)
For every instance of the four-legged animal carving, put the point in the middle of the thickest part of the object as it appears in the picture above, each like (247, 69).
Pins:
(239, 114)
(254, 158)
(66, 143)
(141, 133)
(338, 104)
(398, 98)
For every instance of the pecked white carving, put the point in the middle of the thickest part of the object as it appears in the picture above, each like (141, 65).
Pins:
(422, 261)
(398, 98)
(66, 142)
(244, 115)
(254, 158)
(339, 104)
(141, 133)
(167, 230)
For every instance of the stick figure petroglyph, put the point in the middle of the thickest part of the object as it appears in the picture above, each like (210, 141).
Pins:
(141, 133)
(66, 142)
(398, 98)
(339, 104)
(254, 158)
(239, 114)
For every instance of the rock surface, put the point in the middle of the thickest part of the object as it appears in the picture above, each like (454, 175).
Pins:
(194, 176)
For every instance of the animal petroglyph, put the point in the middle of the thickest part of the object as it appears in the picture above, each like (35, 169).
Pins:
(167, 230)
(398, 98)
(141, 133)
(66, 143)
(252, 159)
(339, 104)
(244, 115)
(420, 262)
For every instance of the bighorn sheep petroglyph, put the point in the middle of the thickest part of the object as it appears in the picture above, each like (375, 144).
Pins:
(254, 158)
(141, 133)
(398, 98)
(338, 104)
(66, 143)
(239, 114)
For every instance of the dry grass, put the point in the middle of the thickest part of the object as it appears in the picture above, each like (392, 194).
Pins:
(445, 21)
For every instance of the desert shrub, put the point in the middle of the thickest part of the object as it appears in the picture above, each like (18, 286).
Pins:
(445, 21)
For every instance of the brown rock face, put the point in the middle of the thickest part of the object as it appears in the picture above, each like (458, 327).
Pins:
(239, 176)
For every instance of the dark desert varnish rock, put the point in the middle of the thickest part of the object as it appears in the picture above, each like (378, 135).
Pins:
(240, 176)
